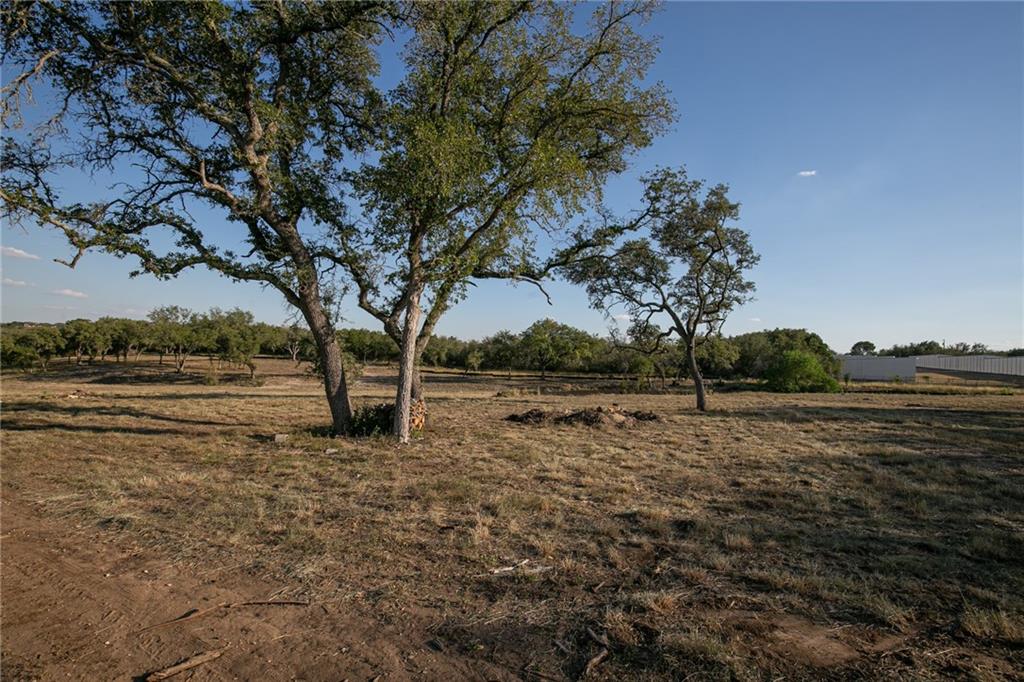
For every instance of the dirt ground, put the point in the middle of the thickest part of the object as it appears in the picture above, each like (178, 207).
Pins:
(854, 536)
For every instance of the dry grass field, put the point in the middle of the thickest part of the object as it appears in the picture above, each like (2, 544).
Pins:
(865, 535)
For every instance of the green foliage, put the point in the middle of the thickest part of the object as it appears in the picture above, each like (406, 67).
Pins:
(863, 348)
(689, 274)
(502, 351)
(935, 348)
(758, 351)
(231, 336)
(368, 346)
(85, 337)
(717, 356)
(548, 345)
(508, 118)
(445, 351)
(797, 371)
(918, 348)
(508, 121)
(372, 420)
(474, 359)
(24, 347)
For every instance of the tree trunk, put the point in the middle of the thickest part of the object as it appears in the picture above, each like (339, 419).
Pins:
(417, 383)
(407, 368)
(698, 380)
(331, 364)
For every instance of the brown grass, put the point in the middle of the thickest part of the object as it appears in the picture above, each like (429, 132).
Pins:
(733, 544)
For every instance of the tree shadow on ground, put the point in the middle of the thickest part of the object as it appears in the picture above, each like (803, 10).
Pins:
(108, 411)
(18, 425)
(969, 431)
(131, 373)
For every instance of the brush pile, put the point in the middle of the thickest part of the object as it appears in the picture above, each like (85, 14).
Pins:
(588, 416)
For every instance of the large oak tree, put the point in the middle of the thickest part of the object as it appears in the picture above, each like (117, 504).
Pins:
(247, 108)
(505, 126)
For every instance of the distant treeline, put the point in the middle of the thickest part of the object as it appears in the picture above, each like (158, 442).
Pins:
(177, 334)
(930, 348)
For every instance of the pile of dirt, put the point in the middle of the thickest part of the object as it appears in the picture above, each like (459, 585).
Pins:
(588, 416)
(534, 416)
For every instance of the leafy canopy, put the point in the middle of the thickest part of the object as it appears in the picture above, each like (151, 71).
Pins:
(689, 273)
(505, 126)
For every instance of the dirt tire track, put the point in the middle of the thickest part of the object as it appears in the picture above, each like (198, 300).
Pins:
(74, 610)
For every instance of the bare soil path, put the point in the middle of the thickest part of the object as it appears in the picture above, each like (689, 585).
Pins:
(80, 604)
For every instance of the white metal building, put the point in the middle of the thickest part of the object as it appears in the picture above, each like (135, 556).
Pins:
(977, 364)
(878, 368)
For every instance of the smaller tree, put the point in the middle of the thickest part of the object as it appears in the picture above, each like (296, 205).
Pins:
(548, 345)
(502, 351)
(863, 348)
(48, 343)
(233, 337)
(297, 339)
(758, 351)
(176, 331)
(127, 337)
(16, 349)
(272, 338)
(22, 347)
(83, 337)
(474, 358)
(690, 273)
(798, 371)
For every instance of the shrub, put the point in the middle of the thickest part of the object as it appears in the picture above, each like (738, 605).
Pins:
(798, 371)
(375, 420)
(372, 420)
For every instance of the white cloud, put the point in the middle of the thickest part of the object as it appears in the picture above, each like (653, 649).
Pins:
(17, 253)
(622, 317)
(59, 307)
(755, 319)
(807, 173)
(69, 292)
(8, 282)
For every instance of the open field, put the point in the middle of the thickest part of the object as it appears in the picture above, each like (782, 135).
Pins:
(852, 536)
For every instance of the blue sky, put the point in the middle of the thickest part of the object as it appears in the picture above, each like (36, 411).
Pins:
(876, 148)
